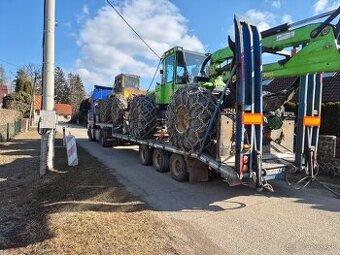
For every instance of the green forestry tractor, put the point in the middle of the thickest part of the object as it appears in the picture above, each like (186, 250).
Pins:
(191, 82)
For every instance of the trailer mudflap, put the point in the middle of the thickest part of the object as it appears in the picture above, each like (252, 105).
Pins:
(198, 171)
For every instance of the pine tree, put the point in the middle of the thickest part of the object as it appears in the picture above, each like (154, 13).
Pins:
(76, 91)
(61, 86)
(28, 87)
(20, 80)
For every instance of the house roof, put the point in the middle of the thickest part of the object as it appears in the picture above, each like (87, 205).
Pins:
(331, 88)
(3, 91)
(63, 109)
(280, 84)
(330, 92)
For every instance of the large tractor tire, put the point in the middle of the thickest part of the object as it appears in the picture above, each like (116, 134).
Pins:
(188, 115)
(142, 117)
(118, 106)
(105, 110)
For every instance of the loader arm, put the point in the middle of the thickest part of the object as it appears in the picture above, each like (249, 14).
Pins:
(313, 48)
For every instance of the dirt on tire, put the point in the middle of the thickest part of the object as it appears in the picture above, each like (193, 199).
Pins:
(118, 105)
(142, 117)
(188, 115)
(105, 110)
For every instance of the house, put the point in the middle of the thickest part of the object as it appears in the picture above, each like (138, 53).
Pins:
(3, 93)
(37, 108)
(64, 111)
(330, 90)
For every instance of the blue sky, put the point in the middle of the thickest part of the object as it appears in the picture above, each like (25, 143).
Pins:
(92, 41)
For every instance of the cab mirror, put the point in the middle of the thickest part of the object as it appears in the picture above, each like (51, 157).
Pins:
(161, 71)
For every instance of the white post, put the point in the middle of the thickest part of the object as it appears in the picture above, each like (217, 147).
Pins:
(47, 139)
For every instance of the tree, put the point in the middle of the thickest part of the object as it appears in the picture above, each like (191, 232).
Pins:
(34, 74)
(28, 87)
(20, 101)
(76, 91)
(20, 80)
(83, 109)
(61, 88)
(3, 76)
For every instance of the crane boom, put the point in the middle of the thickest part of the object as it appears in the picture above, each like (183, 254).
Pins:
(313, 48)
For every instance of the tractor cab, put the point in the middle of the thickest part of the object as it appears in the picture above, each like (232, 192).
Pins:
(179, 66)
(128, 81)
(127, 85)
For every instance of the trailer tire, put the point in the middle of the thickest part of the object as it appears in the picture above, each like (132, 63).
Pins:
(142, 117)
(103, 140)
(188, 116)
(92, 135)
(145, 155)
(118, 106)
(178, 168)
(160, 160)
(89, 134)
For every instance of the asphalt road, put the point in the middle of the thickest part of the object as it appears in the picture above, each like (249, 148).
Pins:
(230, 220)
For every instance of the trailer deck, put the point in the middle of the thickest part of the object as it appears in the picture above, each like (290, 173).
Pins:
(276, 165)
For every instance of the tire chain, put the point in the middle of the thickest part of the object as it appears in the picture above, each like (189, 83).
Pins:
(142, 117)
(105, 110)
(118, 106)
(200, 104)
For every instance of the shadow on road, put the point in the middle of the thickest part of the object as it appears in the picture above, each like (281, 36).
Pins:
(214, 195)
(27, 200)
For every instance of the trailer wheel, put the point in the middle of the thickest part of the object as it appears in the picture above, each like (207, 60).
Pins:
(142, 117)
(188, 115)
(103, 139)
(160, 160)
(89, 134)
(178, 168)
(145, 155)
(118, 106)
(92, 135)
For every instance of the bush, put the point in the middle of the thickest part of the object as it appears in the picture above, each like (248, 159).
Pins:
(20, 101)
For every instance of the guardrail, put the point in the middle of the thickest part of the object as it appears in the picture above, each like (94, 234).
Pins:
(9, 130)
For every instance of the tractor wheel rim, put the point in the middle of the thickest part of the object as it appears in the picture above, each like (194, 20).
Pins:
(181, 119)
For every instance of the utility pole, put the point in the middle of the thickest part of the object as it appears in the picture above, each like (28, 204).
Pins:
(47, 138)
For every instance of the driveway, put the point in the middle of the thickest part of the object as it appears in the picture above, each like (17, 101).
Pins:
(231, 220)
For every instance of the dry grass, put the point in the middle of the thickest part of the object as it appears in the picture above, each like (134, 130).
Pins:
(79, 210)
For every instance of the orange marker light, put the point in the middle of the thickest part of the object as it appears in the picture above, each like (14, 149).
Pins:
(252, 119)
(312, 121)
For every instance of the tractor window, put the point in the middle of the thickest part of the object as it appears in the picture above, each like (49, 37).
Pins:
(180, 69)
(194, 63)
(131, 82)
(169, 64)
(118, 85)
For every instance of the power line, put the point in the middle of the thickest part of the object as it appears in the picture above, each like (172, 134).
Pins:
(154, 75)
(9, 63)
(127, 23)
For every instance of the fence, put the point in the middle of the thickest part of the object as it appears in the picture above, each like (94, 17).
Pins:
(9, 130)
